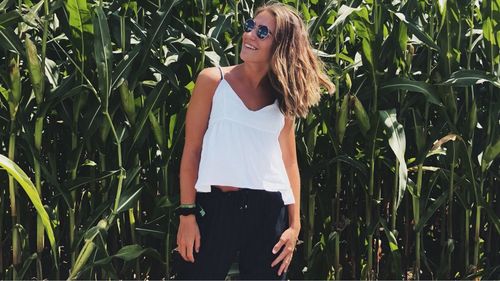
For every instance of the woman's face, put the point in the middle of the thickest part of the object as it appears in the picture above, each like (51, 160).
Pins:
(253, 48)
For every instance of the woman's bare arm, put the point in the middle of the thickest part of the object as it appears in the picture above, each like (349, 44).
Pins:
(197, 116)
(288, 150)
(286, 244)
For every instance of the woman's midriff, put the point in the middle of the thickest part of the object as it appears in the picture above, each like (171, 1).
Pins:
(226, 188)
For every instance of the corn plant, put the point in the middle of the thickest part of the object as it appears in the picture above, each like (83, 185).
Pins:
(399, 167)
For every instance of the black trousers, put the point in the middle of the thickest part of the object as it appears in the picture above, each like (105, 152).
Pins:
(241, 226)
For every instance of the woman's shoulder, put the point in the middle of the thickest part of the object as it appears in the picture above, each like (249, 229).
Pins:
(209, 75)
(207, 81)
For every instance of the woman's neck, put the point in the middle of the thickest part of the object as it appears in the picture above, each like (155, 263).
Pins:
(255, 74)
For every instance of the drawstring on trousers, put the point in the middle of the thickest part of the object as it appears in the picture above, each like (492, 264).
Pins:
(243, 199)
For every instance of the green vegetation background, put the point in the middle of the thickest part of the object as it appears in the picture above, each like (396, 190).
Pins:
(399, 168)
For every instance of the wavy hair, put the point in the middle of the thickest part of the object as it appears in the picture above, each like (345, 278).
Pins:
(296, 73)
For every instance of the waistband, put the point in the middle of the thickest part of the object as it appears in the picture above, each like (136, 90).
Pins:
(239, 190)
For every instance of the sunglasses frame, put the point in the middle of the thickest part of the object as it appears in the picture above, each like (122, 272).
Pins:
(260, 28)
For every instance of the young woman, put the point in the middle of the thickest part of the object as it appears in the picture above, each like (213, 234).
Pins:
(240, 182)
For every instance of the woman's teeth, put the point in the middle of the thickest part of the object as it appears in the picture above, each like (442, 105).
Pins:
(250, 47)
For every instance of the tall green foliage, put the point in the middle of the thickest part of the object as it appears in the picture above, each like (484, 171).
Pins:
(399, 168)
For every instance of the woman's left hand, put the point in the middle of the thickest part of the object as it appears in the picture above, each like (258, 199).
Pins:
(289, 240)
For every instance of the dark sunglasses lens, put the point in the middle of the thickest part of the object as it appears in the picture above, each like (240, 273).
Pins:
(249, 25)
(262, 32)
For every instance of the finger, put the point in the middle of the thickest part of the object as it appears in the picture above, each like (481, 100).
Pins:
(189, 253)
(284, 265)
(288, 251)
(197, 242)
(286, 268)
(280, 258)
(278, 245)
(182, 252)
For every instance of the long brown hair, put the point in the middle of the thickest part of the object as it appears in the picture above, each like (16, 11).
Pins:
(296, 73)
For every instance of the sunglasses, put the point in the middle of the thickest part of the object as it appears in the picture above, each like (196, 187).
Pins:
(262, 31)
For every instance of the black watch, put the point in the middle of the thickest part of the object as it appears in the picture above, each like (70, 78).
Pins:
(186, 211)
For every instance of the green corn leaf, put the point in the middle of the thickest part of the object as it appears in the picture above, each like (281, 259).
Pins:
(357, 165)
(159, 25)
(218, 57)
(9, 18)
(156, 232)
(180, 25)
(165, 202)
(395, 252)
(103, 55)
(420, 137)
(445, 259)
(442, 4)
(491, 214)
(47, 175)
(128, 198)
(81, 28)
(122, 70)
(52, 179)
(132, 173)
(59, 95)
(131, 252)
(417, 31)
(479, 196)
(413, 86)
(431, 210)
(471, 77)
(9, 41)
(402, 36)
(26, 265)
(343, 13)
(20, 176)
(491, 153)
(4, 92)
(491, 19)
(97, 213)
(6, 4)
(311, 135)
(323, 16)
(397, 142)
(368, 53)
(221, 24)
(71, 185)
(142, 117)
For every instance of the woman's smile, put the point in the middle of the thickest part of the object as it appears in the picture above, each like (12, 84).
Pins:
(251, 47)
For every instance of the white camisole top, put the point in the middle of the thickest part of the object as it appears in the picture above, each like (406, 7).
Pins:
(240, 146)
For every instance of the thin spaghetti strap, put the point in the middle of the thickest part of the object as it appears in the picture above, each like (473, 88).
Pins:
(221, 73)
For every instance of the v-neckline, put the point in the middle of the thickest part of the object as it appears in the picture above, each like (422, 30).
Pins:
(241, 101)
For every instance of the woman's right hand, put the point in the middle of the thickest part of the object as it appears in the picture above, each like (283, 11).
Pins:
(188, 237)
